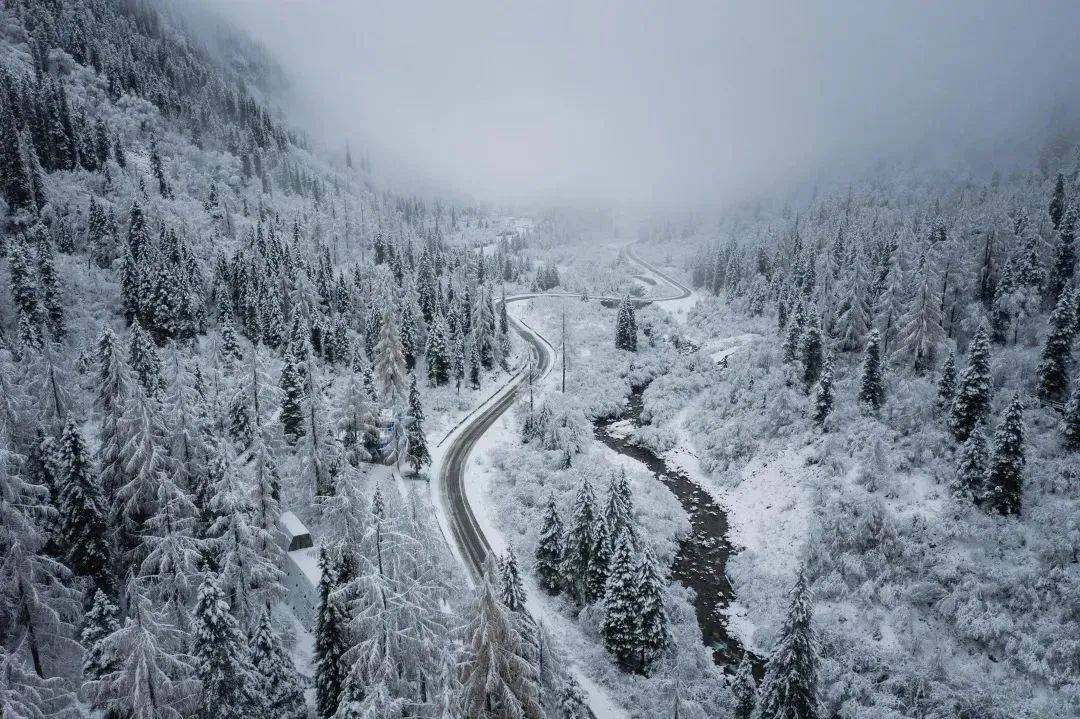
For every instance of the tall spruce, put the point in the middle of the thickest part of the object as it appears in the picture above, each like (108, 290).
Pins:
(1070, 423)
(511, 590)
(972, 403)
(971, 464)
(1052, 371)
(823, 398)
(1005, 478)
(789, 689)
(871, 382)
(652, 620)
(626, 326)
(276, 683)
(82, 525)
(946, 386)
(811, 355)
(744, 688)
(619, 627)
(221, 658)
(331, 640)
(578, 543)
(549, 555)
(418, 453)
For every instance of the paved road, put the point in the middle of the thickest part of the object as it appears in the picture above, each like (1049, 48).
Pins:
(466, 532)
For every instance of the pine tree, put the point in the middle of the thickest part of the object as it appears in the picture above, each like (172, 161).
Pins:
(82, 514)
(1056, 354)
(793, 339)
(390, 361)
(599, 562)
(1070, 424)
(971, 465)
(511, 591)
(292, 399)
(475, 366)
(159, 171)
(789, 687)
(972, 403)
(144, 359)
(1057, 201)
(276, 683)
(1005, 478)
(152, 680)
(549, 554)
(220, 654)
(497, 676)
(418, 450)
(811, 355)
(620, 623)
(619, 512)
(100, 622)
(51, 301)
(331, 640)
(578, 543)
(229, 349)
(652, 621)
(823, 399)
(626, 326)
(1063, 265)
(920, 332)
(871, 383)
(457, 362)
(946, 387)
(438, 353)
(744, 688)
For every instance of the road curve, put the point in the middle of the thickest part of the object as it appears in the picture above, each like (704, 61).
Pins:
(472, 546)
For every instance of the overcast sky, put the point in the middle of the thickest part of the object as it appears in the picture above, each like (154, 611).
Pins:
(661, 101)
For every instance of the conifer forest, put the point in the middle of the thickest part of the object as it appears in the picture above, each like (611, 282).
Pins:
(554, 361)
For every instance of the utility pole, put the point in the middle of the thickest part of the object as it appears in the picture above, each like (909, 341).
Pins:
(564, 351)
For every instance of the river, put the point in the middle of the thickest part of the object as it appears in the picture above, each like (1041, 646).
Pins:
(703, 553)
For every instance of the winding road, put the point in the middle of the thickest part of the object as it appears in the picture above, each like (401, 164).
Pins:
(467, 535)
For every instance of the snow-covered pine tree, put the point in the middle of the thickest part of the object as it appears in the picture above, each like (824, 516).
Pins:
(82, 515)
(144, 359)
(1005, 478)
(220, 658)
(152, 680)
(438, 353)
(1070, 423)
(476, 370)
(549, 555)
(619, 511)
(946, 386)
(871, 382)
(599, 561)
(51, 294)
(390, 361)
(1056, 355)
(98, 623)
(418, 450)
(511, 591)
(971, 464)
(920, 334)
(409, 332)
(246, 558)
(793, 338)
(823, 398)
(293, 394)
(275, 682)
(1063, 265)
(652, 621)
(626, 326)
(744, 688)
(1056, 208)
(331, 640)
(811, 355)
(174, 557)
(578, 543)
(619, 627)
(229, 352)
(498, 678)
(972, 402)
(789, 688)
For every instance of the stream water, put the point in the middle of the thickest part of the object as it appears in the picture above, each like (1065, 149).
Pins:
(703, 553)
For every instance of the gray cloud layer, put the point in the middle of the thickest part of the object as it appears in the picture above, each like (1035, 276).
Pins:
(693, 101)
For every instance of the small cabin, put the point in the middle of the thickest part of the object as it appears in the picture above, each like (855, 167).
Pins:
(295, 534)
